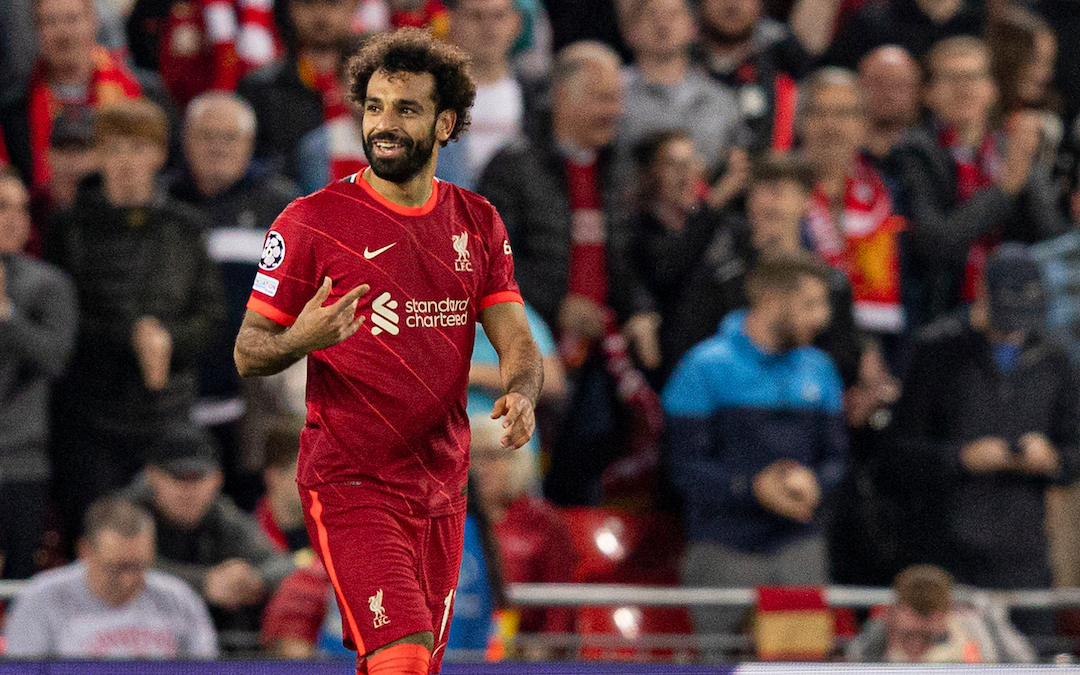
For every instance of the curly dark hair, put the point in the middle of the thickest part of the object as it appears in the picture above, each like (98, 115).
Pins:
(412, 50)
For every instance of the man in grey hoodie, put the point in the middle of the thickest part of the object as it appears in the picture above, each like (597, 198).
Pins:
(37, 329)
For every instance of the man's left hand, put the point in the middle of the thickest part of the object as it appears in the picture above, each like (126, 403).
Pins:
(1038, 455)
(643, 332)
(518, 419)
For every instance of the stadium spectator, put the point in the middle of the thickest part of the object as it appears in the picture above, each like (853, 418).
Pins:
(965, 186)
(279, 512)
(760, 59)
(335, 149)
(925, 625)
(890, 81)
(300, 90)
(756, 432)
(71, 157)
(300, 613)
(664, 91)
(37, 330)
(573, 21)
(915, 25)
(987, 421)
(110, 603)
(671, 228)
(851, 222)
(203, 538)
(777, 201)
(149, 302)
(562, 197)
(202, 46)
(72, 71)
(237, 199)
(533, 539)
(486, 31)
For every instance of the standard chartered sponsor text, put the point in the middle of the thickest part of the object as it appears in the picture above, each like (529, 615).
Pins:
(436, 313)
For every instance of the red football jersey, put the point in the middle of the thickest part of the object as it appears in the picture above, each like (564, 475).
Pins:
(386, 407)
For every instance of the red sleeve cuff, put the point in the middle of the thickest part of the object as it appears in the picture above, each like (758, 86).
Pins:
(269, 311)
(496, 298)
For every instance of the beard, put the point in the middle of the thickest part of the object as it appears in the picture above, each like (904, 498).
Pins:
(417, 153)
(788, 337)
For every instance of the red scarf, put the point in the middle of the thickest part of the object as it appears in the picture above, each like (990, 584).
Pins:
(432, 15)
(864, 244)
(329, 87)
(974, 171)
(110, 82)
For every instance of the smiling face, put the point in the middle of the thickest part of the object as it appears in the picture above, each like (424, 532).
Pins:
(401, 124)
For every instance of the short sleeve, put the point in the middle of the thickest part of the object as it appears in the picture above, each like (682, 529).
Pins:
(288, 273)
(499, 285)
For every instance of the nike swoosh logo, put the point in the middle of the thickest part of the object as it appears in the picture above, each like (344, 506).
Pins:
(368, 255)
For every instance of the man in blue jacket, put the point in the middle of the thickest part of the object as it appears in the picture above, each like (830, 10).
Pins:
(757, 437)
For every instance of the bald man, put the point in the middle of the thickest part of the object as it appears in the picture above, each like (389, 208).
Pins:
(559, 197)
(890, 80)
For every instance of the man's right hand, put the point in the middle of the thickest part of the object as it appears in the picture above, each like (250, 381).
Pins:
(777, 492)
(986, 455)
(319, 327)
(581, 316)
(232, 584)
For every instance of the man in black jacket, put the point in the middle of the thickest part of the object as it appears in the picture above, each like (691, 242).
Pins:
(988, 419)
(150, 300)
(964, 186)
(295, 94)
(562, 198)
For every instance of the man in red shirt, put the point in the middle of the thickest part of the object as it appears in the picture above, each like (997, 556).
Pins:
(409, 264)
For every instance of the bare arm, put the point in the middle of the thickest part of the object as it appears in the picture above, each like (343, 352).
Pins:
(265, 347)
(522, 370)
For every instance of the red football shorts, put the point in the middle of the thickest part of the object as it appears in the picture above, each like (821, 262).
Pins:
(394, 575)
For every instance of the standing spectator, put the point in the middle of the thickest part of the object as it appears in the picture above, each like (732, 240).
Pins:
(533, 539)
(664, 91)
(111, 603)
(915, 25)
(925, 625)
(761, 60)
(756, 429)
(301, 90)
(37, 330)
(890, 80)
(988, 419)
(72, 71)
(671, 230)
(238, 199)
(335, 149)
(561, 197)
(72, 159)
(486, 31)
(203, 538)
(150, 300)
(851, 222)
(965, 186)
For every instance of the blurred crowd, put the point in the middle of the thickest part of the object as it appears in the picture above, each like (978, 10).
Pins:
(803, 274)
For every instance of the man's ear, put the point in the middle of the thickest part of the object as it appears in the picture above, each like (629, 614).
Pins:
(444, 125)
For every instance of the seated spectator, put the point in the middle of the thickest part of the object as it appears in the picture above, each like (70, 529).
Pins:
(486, 31)
(966, 187)
(299, 91)
(111, 603)
(664, 91)
(890, 80)
(989, 418)
(851, 222)
(38, 317)
(533, 539)
(203, 538)
(72, 72)
(150, 300)
(925, 625)
(71, 158)
(672, 229)
(776, 206)
(238, 200)
(279, 512)
(760, 59)
(915, 25)
(335, 149)
(756, 433)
